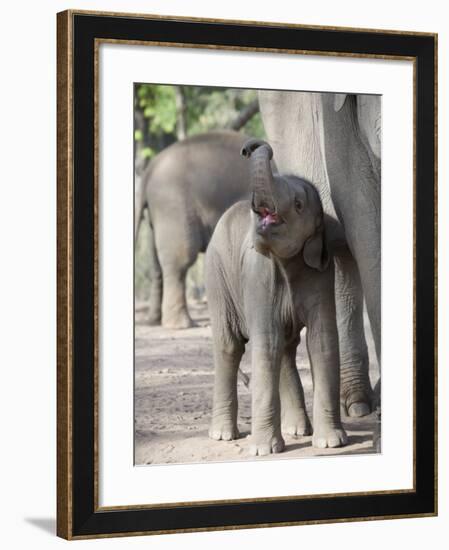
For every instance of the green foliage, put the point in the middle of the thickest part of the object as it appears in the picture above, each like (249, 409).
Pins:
(147, 152)
(254, 127)
(158, 106)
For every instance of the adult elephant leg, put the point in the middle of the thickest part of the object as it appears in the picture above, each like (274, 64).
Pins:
(294, 419)
(363, 234)
(155, 272)
(354, 175)
(370, 277)
(356, 394)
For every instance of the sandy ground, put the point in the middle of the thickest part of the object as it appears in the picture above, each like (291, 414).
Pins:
(173, 399)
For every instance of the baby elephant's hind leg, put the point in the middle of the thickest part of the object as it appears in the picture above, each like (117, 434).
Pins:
(294, 419)
(227, 357)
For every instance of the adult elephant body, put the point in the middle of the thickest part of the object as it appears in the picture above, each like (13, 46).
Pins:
(333, 140)
(186, 188)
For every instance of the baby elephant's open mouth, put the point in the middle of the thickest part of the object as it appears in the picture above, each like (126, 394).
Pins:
(267, 218)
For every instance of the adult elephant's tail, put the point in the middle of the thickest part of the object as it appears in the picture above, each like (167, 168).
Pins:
(154, 267)
(140, 197)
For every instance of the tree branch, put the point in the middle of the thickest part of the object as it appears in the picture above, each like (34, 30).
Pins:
(247, 113)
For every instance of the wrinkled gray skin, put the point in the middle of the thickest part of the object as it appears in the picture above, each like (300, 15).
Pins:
(186, 189)
(267, 276)
(333, 140)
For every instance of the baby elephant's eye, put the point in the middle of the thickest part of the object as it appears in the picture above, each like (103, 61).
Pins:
(299, 205)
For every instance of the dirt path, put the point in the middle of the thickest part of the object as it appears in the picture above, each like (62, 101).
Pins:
(173, 399)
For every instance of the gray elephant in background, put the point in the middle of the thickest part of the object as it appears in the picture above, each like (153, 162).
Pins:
(186, 188)
(268, 275)
(333, 140)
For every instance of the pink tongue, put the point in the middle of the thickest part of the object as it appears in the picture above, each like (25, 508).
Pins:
(268, 218)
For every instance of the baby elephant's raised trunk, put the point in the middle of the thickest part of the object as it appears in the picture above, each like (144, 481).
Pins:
(262, 182)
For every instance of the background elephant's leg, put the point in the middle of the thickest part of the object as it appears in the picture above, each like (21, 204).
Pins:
(294, 419)
(227, 355)
(356, 393)
(155, 272)
(177, 251)
(174, 304)
(178, 243)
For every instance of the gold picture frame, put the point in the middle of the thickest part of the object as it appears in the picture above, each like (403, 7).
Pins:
(80, 34)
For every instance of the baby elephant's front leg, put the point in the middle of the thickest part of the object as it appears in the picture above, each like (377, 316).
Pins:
(322, 345)
(224, 412)
(266, 434)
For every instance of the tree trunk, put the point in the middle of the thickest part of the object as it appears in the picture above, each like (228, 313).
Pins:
(181, 126)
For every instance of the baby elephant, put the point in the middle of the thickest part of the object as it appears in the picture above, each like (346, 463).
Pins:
(268, 275)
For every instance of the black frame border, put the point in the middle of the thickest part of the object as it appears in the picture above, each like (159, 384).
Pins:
(86, 520)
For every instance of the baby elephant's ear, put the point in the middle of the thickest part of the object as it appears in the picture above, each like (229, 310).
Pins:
(315, 251)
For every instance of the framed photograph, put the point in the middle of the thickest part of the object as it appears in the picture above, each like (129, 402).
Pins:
(246, 233)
